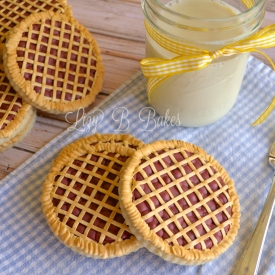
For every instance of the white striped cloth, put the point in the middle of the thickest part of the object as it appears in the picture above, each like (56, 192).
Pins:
(28, 247)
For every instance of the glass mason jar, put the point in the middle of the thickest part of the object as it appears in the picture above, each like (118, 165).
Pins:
(201, 97)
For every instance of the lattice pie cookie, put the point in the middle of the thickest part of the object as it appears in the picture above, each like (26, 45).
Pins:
(179, 202)
(80, 200)
(16, 116)
(53, 62)
(14, 11)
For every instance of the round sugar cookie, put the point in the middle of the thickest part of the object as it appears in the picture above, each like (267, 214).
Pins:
(53, 62)
(80, 200)
(179, 202)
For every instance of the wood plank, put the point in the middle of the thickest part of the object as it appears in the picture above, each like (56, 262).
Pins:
(117, 71)
(132, 1)
(271, 6)
(121, 19)
(11, 159)
(44, 131)
(269, 18)
(124, 48)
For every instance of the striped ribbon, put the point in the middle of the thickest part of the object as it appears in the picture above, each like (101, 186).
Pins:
(188, 58)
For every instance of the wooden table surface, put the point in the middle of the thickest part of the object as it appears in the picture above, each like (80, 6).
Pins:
(117, 25)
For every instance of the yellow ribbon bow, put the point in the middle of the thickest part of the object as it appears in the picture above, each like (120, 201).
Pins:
(190, 58)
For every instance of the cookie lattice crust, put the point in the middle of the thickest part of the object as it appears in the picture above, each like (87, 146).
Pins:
(85, 196)
(54, 63)
(13, 110)
(14, 11)
(10, 102)
(179, 202)
(80, 199)
(183, 199)
(54, 42)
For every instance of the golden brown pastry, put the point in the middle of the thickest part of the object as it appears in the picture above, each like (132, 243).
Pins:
(16, 116)
(14, 11)
(179, 202)
(80, 199)
(53, 62)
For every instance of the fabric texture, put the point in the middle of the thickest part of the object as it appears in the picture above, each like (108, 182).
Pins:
(27, 246)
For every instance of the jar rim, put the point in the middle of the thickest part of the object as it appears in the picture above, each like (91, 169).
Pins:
(258, 5)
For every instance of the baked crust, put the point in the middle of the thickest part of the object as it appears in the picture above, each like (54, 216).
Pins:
(1, 64)
(126, 140)
(135, 179)
(13, 12)
(24, 129)
(13, 110)
(58, 73)
(52, 200)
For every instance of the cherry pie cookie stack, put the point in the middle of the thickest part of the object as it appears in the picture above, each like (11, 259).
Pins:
(48, 61)
(80, 196)
(179, 202)
(16, 116)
